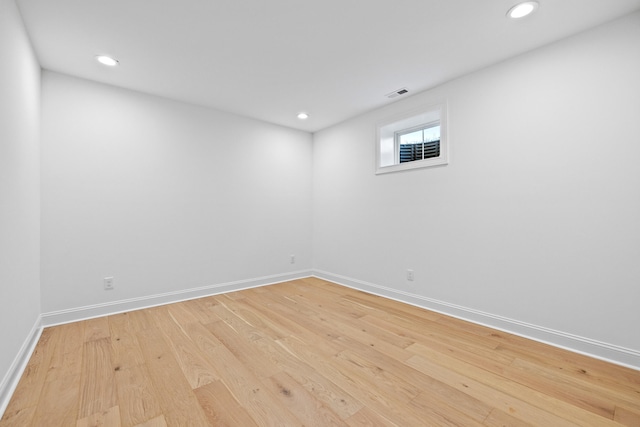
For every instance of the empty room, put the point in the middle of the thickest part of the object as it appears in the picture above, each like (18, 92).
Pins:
(318, 213)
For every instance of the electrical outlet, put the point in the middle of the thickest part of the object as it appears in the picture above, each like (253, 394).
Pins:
(292, 259)
(108, 283)
(410, 275)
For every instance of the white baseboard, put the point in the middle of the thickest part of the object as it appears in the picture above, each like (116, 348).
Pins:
(12, 377)
(105, 309)
(589, 347)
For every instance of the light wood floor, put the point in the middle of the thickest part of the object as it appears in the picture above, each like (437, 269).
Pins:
(310, 353)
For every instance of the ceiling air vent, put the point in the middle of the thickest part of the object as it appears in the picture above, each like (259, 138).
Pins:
(397, 93)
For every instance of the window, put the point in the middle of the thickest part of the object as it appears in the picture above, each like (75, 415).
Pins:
(418, 144)
(414, 140)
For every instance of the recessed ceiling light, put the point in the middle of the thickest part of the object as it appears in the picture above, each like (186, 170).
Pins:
(303, 116)
(522, 9)
(107, 60)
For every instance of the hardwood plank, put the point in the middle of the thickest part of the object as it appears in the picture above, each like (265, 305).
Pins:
(542, 399)
(137, 398)
(96, 329)
(384, 362)
(627, 417)
(310, 348)
(241, 347)
(18, 418)
(316, 320)
(196, 368)
(454, 344)
(430, 390)
(606, 374)
(498, 418)
(125, 350)
(181, 313)
(241, 316)
(561, 387)
(278, 326)
(97, 381)
(259, 402)
(446, 401)
(281, 354)
(156, 422)
(139, 320)
(221, 408)
(108, 418)
(320, 328)
(381, 333)
(172, 388)
(44, 348)
(453, 336)
(66, 360)
(309, 352)
(201, 309)
(71, 337)
(403, 311)
(365, 417)
(321, 298)
(60, 403)
(238, 295)
(358, 385)
(378, 378)
(503, 400)
(304, 405)
(578, 378)
(436, 414)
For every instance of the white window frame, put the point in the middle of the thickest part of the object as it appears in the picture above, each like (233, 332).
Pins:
(398, 135)
(387, 148)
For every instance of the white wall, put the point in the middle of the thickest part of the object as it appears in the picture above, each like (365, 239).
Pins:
(534, 219)
(19, 191)
(537, 216)
(164, 196)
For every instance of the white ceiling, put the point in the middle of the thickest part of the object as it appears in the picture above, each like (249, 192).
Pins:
(270, 59)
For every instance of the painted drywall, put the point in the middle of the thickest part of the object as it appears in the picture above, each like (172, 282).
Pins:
(537, 216)
(163, 196)
(19, 191)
